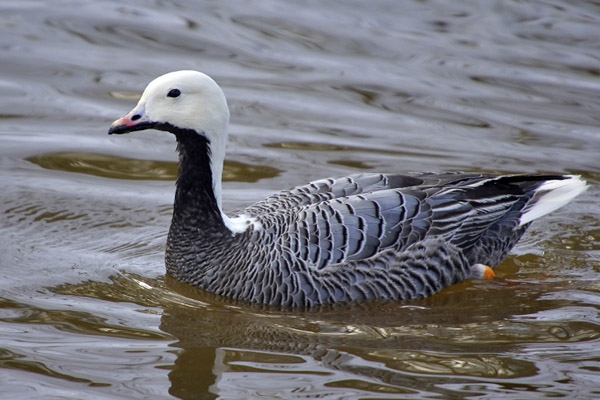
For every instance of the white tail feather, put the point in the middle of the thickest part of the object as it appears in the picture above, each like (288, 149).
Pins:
(552, 195)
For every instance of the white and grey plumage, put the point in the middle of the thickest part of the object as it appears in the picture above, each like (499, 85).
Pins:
(364, 236)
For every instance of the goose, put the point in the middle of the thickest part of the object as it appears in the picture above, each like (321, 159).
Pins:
(354, 238)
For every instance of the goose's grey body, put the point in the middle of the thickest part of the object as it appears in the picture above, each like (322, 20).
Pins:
(364, 236)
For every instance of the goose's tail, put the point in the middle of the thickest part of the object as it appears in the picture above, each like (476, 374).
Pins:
(552, 195)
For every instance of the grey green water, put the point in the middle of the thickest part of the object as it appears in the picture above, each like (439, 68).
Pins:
(316, 89)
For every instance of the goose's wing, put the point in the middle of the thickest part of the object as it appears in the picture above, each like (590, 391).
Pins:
(457, 208)
(333, 188)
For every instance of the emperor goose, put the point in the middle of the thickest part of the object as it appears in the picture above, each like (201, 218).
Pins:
(363, 236)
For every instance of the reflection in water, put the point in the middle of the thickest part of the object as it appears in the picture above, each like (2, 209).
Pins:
(464, 336)
(115, 167)
(380, 348)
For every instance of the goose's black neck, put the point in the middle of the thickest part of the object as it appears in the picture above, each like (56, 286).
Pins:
(194, 197)
(198, 233)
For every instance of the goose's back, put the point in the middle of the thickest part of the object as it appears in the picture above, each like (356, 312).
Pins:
(333, 221)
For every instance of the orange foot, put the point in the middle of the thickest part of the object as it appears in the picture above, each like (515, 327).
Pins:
(481, 271)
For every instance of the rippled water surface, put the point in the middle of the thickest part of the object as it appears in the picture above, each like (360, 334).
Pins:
(316, 89)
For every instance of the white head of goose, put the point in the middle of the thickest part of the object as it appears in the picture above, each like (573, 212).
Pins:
(359, 237)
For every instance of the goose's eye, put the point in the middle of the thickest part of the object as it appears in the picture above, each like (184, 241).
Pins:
(174, 93)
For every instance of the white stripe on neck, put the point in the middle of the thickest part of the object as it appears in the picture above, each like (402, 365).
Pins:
(240, 223)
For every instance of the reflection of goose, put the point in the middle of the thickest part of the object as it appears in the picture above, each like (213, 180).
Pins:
(363, 236)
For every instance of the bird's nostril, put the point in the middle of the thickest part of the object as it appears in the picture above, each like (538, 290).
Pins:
(136, 117)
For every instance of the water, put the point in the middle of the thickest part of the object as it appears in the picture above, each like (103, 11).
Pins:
(316, 89)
